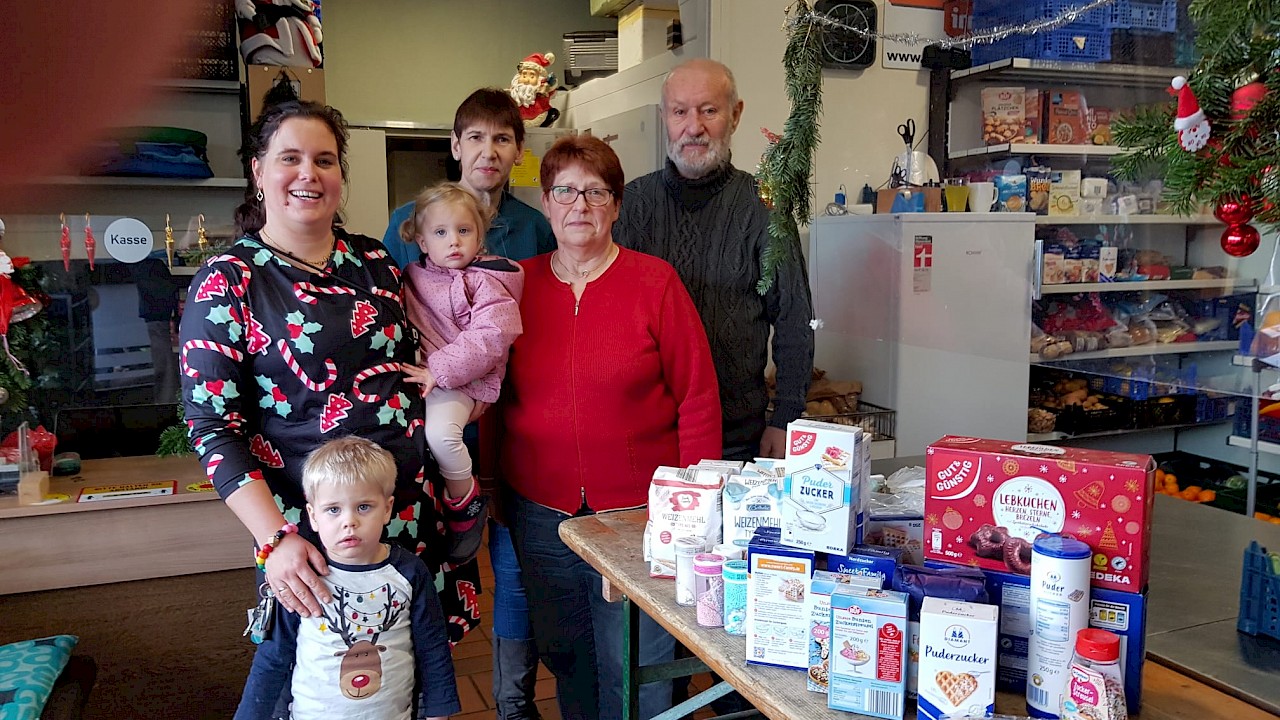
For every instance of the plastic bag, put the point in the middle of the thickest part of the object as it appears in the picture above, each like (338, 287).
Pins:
(42, 442)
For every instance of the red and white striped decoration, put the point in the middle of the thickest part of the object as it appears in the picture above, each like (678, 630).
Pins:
(386, 294)
(414, 423)
(367, 373)
(246, 274)
(211, 467)
(219, 348)
(375, 254)
(234, 420)
(301, 374)
(303, 291)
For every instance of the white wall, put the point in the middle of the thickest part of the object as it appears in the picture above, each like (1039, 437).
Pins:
(415, 60)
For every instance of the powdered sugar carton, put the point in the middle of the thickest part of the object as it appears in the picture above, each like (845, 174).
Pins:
(824, 493)
(987, 500)
(957, 659)
(868, 651)
(683, 502)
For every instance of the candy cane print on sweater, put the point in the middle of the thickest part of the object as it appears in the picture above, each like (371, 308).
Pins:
(301, 374)
(245, 273)
(368, 373)
(219, 348)
(303, 291)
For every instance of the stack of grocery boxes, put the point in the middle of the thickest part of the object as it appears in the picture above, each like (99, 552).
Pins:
(987, 500)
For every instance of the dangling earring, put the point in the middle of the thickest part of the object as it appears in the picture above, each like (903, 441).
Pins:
(259, 196)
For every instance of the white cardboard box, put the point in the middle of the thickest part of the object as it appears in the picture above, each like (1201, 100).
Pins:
(824, 492)
(957, 669)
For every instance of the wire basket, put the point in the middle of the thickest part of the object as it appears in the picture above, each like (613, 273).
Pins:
(878, 421)
(1259, 594)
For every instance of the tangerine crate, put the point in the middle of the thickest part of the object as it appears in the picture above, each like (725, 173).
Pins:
(1259, 594)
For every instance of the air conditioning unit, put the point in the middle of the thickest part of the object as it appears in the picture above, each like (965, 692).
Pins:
(589, 55)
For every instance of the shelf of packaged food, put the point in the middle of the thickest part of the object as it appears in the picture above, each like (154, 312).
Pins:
(1115, 287)
(1037, 149)
(1141, 350)
(1060, 72)
(227, 87)
(1125, 220)
(1055, 436)
(1263, 446)
(144, 182)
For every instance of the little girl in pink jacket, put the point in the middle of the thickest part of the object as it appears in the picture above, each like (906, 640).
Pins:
(466, 307)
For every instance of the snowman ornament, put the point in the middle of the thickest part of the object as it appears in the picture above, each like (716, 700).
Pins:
(1190, 122)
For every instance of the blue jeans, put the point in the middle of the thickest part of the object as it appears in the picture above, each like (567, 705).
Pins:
(510, 602)
(578, 633)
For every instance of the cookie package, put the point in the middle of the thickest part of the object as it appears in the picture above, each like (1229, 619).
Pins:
(987, 500)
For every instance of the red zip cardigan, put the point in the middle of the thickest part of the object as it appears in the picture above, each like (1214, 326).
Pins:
(601, 392)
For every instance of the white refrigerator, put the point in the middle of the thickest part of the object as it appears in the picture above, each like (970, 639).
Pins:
(932, 313)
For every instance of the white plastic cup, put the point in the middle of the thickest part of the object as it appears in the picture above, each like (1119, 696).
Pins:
(982, 195)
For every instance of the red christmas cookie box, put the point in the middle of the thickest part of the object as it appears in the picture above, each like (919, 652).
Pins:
(986, 500)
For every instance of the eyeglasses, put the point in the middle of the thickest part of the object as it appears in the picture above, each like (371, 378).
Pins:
(596, 197)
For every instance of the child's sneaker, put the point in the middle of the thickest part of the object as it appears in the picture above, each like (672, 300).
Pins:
(464, 521)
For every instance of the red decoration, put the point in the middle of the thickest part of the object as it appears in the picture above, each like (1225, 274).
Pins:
(65, 244)
(1245, 97)
(1234, 211)
(90, 245)
(1191, 123)
(1240, 240)
(15, 306)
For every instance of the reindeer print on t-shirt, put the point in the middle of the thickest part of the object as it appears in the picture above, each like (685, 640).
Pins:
(359, 618)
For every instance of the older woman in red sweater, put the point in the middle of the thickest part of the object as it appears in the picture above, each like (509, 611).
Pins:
(612, 378)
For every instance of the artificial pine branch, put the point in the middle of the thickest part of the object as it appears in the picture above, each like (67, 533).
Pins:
(788, 163)
(1239, 42)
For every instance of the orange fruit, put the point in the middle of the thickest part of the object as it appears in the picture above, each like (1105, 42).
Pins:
(1170, 479)
(1190, 493)
(1274, 520)
(1262, 516)
(1160, 475)
(1206, 496)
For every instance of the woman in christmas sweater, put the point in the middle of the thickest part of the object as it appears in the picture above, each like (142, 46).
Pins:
(294, 336)
(611, 378)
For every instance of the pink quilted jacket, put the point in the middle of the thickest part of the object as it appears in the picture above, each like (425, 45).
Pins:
(467, 319)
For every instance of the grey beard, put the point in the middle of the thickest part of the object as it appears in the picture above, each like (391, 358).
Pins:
(716, 158)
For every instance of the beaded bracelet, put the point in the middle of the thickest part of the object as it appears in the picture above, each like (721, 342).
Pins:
(260, 556)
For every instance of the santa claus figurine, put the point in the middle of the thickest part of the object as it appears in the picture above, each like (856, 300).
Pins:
(1191, 123)
(532, 88)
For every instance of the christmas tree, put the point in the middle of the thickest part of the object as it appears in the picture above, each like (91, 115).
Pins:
(1236, 168)
(30, 343)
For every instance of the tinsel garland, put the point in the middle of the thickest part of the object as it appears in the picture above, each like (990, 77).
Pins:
(788, 163)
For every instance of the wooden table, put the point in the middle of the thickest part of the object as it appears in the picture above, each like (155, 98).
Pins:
(611, 543)
(70, 543)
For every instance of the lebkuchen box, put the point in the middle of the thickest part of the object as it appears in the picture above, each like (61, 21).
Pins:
(987, 500)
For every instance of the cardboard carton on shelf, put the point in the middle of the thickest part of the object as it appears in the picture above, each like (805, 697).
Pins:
(932, 198)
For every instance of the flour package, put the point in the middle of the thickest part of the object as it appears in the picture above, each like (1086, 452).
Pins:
(751, 500)
(683, 502)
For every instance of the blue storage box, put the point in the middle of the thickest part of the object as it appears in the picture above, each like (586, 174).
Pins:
(1259, 594)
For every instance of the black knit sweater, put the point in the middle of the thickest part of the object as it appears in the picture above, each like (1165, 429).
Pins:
(713, 231)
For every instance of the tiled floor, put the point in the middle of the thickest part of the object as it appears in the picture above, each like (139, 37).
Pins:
(473, 663)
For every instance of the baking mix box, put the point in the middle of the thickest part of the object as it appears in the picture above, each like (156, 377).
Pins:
(777, 625)
(1124, 614)
(898, 531)
(868, 560)
(957, 659)
(868, 651)
(818, 603)
(987, 500)
(825, 493)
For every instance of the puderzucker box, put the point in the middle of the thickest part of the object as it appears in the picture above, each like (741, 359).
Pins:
(824, 495)
(987, 500)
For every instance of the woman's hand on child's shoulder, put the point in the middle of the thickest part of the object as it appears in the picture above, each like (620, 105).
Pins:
(420, 375)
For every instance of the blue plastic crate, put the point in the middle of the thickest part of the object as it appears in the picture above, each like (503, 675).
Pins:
(1158, 15)
(989, 13)
(1072, 44)
(1259, 594)
(1213, 407)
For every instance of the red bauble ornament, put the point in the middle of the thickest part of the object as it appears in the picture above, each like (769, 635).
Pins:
(1246, 97)
(1240, 240)
(1234, 211)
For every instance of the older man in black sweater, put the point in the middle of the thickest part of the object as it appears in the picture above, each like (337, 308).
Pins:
(703, 216)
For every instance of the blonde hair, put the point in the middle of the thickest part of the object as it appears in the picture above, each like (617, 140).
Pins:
(445, 193)
(348, 462)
